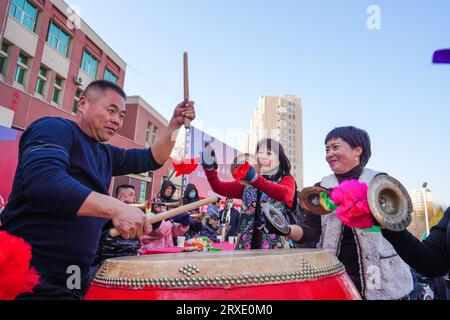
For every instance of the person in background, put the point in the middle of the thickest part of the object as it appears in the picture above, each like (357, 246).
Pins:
(110, 247)
(211, 227)
(126, 194)
(214, 208)
(175, 227)
(165, 195)
(196, 216)
(229, 217)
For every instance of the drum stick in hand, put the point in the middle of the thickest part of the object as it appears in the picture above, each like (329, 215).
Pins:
(172, 213)
(187, 122)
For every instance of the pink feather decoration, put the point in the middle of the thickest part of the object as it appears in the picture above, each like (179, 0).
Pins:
(353, 209)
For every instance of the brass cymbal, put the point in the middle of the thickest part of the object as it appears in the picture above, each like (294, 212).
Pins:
(390, 203)
(310, 200)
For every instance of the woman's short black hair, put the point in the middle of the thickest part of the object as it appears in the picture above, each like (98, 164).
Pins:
(355, 137)
(277, 148)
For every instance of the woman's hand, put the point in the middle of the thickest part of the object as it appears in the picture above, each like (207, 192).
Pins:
(246, 173)
(296, 233)
(208, 159)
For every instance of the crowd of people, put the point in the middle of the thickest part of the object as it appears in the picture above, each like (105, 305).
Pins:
(196, 223)
(72, 228)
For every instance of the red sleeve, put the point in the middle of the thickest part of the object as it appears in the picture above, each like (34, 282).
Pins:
(225, 189)
(284, 191)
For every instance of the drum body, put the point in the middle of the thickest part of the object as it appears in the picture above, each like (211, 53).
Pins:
(297, 274)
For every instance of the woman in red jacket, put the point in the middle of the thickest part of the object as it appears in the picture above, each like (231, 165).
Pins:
(275, 186)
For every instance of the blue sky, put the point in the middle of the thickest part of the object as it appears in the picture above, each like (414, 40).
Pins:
(379, 80)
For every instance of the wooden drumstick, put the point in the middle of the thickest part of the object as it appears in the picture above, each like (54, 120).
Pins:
(187, 122)
(171, 213)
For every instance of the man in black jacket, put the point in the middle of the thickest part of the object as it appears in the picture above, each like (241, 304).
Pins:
(211, 228)
(230, 216)
(115, 247)
(431, 258)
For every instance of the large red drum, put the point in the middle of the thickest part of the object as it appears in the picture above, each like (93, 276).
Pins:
(296, 274)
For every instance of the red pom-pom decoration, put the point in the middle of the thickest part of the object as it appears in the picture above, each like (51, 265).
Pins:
(185, 167)
(353, 209)
(241, 171)
(16, 275)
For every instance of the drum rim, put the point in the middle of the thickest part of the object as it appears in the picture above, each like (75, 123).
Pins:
(191, 274)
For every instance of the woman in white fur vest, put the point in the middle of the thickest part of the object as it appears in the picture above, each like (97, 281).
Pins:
(370, 260)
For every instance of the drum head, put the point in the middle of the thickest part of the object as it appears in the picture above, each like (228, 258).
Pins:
(276, 218)
(310, 200)
(225, 269)
(389, 203)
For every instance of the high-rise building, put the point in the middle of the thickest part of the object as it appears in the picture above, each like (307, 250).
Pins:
(423, 208)
(279, 118)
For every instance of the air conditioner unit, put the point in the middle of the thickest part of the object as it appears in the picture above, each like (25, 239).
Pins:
(78, 80)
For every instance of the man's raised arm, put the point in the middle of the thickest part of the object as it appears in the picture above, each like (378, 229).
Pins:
(162, 149)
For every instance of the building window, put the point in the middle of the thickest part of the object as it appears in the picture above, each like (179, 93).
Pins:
(78, 94)
(110, 76)
(149, 136)
(58, 39)
(2, 62)
(25, 12)
(57, 90)
(143, 191)
(21, 68)
(42, 79)
(155, 135)
(3, 57)
(152, 134)
(89, 64)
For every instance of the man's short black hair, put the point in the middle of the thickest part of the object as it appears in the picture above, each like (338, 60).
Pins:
(123, 186)
(104, 85)
(355, 137)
